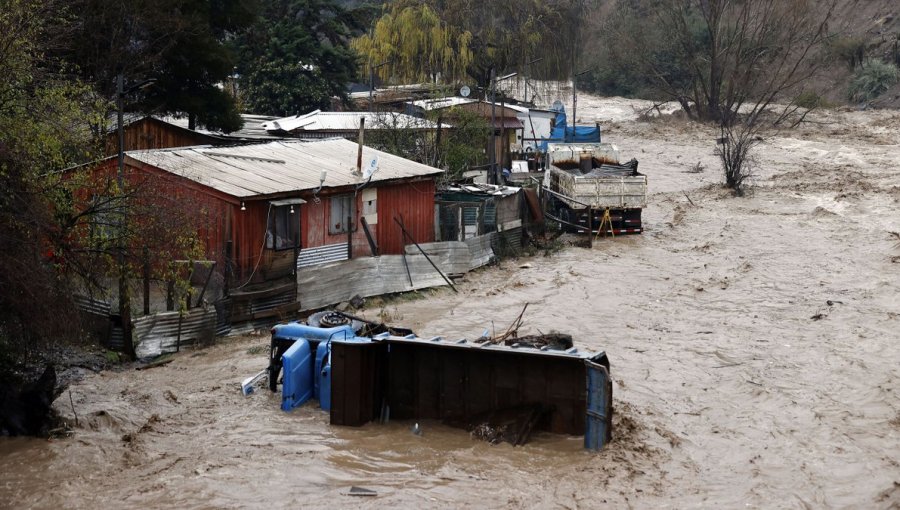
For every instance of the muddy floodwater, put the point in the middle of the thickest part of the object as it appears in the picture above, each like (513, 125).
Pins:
(754, 342)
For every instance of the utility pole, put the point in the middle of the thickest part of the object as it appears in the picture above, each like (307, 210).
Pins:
(492, 174)
(124, 292)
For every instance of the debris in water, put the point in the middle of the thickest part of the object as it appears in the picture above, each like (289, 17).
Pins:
(416, 429)
(555, 341)
(248, 383)
(513, 425)
(361, 491)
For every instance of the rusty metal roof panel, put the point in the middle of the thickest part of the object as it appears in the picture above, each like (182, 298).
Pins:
(279, 167)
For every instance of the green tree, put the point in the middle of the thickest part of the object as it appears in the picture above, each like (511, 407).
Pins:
(61, 224)
(296, 57)
(179, 43)
(43, 128)
(449, 147)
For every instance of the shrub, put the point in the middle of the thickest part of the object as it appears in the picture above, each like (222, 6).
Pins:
(872, 80)
(809, 100)
(849, 49)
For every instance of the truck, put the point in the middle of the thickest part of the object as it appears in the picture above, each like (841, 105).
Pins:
(587, 190)
(496, 388)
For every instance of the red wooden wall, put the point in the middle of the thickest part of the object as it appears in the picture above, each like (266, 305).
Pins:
(414, 201)
(150, 133)
(219, 217)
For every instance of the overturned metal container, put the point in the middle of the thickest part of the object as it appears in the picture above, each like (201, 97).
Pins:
(412, 378)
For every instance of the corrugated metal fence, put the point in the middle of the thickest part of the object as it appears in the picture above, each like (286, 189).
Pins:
(168, 331)
(328, 284)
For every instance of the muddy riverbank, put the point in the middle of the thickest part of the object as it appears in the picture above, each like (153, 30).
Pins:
(753, 344)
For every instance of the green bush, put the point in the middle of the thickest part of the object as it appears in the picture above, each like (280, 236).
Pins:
(872, 80)
(851, 50)
(809, 100)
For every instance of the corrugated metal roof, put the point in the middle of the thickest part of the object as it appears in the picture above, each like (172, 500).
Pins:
(252, 129)
(278, 167)
(482, 189)
(345, 121)
(439, 103)
(525, 109)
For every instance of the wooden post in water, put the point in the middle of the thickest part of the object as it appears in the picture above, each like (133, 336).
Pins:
(591, 227)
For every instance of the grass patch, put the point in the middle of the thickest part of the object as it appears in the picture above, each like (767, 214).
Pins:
(257, 349)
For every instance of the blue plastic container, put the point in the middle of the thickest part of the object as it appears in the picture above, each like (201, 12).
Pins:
(298, 382)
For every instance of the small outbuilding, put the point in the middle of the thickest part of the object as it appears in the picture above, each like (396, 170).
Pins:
(142, 132)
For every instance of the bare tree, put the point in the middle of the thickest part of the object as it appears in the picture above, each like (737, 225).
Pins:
(721, 57)
(726, 61)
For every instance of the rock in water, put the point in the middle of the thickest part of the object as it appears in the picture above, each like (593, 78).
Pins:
(28, 411)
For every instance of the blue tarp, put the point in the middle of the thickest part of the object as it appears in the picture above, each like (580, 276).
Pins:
(562, 133)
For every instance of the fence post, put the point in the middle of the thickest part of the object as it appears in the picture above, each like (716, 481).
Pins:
(146, 281)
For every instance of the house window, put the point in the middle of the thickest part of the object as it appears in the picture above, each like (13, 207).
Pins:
(104, 220)
(341, 209)
(284, 228)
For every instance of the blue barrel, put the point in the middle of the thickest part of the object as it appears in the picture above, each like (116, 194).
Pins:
(298, 382)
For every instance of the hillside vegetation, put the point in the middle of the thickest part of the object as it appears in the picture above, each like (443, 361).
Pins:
(857, 61)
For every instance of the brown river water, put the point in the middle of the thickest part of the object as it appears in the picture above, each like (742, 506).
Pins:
(736, 383)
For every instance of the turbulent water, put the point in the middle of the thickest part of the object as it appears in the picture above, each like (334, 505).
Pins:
(753, 341)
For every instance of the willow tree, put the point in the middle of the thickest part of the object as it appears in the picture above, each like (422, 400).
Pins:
(414, 44)
(455, 40)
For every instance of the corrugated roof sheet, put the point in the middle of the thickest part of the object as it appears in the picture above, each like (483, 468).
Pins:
(278, 167)
(345, 121)
(443, 102)
(252, 129)
(482, 189)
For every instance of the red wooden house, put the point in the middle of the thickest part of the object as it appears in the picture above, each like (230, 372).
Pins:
(267, 208)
